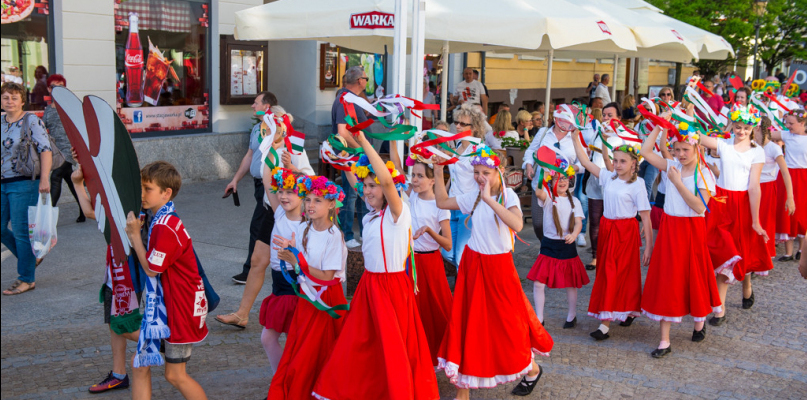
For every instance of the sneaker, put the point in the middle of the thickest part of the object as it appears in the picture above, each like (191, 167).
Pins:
(353, 243)
(110, 383)
(241, 279)
(581, 240)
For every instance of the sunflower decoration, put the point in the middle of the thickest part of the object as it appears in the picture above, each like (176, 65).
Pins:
(747, 115)
(687, 134)
(362, 169)
(282, 179)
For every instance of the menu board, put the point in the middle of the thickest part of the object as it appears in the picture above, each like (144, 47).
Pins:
(250, 72)
(236, 73)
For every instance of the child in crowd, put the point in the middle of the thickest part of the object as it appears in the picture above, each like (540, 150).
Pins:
(774, 167)
(176, 305)
(791, 226)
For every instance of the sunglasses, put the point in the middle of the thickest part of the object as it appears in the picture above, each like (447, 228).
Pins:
(364, 78)
(666, 94)
(462, 124)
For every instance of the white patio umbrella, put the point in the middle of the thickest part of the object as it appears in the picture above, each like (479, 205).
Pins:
(709, 45)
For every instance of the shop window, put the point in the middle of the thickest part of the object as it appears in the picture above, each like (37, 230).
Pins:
(163, 65)
(335, 60)
(25, 50)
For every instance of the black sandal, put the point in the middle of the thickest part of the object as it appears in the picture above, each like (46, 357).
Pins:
(591, 267)
(525, 387)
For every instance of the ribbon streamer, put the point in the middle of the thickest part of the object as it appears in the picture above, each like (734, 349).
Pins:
(304, 283)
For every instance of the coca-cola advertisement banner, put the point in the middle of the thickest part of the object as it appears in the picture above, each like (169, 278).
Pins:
(169, 118)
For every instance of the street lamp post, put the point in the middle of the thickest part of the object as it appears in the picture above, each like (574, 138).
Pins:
(759, 10)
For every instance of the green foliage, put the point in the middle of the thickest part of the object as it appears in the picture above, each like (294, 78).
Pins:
(783, 33)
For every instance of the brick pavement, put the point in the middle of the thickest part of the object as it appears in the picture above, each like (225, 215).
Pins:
(54, 345)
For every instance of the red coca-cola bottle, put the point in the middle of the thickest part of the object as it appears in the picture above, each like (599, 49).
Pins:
(134, 65)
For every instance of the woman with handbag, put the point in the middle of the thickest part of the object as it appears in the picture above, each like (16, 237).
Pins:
(20, 181)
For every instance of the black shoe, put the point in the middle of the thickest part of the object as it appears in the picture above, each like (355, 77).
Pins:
(81, 218)
(598, 335)
(525, 387)
(570, 324)
(627, 322)
(241, 278)
(798, 256)
(717, 321)
(786, 258)
(591, 267)
(749, 302)
(699, 336)
(660, 353)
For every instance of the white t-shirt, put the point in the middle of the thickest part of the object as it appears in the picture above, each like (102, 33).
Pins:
(674, 203)
(325, 250)
(564, 209)
(735, 167)
(622, 199)
(602, 92)
(396, 240)
(485, 238)
(796, 153)
(284, 227)
(462, 175)
(470, 92)
(494, 142)
(426, 213)
(770, 170)
(565, 145)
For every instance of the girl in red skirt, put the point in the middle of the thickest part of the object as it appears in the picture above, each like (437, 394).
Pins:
(316, 324)
(382, 352)
(431, 230)
(773, 167)
(680, 280)
(792, 225)
(558, 265)
(735, 236)
(617, 291)
(492, 332)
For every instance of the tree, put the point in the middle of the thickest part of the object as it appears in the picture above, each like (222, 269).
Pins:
(731, 19)
(783, 33)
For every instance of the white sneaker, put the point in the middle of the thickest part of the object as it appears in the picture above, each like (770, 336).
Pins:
(581, 240)
(353, 243)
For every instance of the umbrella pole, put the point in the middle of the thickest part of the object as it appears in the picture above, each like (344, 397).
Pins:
(548, 86)
(399, 55)
(444, 83)
(613, 80)
(416, 65)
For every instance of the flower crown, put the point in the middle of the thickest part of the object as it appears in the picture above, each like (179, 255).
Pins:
(629, 148)
(746, 115)
(687, 134)
(485, 156)
(363, 168)
(562, 164)
(282, 179)
(798, 113)
(320, 186)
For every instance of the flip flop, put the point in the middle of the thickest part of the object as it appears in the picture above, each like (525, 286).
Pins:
(15, 290)
(237, 325)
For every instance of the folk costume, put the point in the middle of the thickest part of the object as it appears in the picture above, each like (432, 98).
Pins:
(791, 226)
(770, 192)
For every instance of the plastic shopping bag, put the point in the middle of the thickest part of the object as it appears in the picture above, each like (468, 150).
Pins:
(42, 220)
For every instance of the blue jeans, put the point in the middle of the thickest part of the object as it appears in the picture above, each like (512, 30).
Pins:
(578, 192)
(16, 198)
(348, 210)
(459, 237)
(648, 173)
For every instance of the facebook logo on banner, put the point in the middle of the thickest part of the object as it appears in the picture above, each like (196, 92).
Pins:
(138, 117)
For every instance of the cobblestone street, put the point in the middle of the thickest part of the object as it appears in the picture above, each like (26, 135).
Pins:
(55, 345)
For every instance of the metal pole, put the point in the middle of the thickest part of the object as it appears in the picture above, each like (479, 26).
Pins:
(756, 54)
(547, 110)
(416, 64)
(399, 48)
(613, 78)
(444, 83)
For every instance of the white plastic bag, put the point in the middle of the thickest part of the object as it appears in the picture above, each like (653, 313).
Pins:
(42, 220)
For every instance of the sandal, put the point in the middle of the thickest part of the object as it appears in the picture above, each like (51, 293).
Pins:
(238, 324)
(15, 288)
(526, 387)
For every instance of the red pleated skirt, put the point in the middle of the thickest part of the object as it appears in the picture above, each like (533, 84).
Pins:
(559, 274)
(768, 206)
(310, 341)
(680, 280)
(734, 247)
(382, 352)
(493, 331)
(655, 217)
(617, 291)
(794, 225)
(277, 312)
(433, 299)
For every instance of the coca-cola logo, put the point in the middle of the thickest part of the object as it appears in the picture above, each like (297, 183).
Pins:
(372, 20)
(134, 58)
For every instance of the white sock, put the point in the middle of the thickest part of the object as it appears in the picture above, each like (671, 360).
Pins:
(663, 345)
(530, 378)
(571, 298)
(539, 299)
(603, 328)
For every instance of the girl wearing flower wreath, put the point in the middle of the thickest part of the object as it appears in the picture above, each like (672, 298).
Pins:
(382, 352)
(774, 167)
(431, 231)
(680, 280)
(558, 265)
(735, 236)
(791, 226)
(316, 324)
(492, 333)
(617, 291)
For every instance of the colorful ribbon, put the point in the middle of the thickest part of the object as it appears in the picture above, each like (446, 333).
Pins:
(304, 283)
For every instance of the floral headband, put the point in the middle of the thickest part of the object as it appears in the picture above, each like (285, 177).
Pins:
(563, 165)
(282, 179)
(485, 156)
(746, 115)
(320, 186)
(686, 134)
(798, 113)
(363, 168)
(629, 148)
